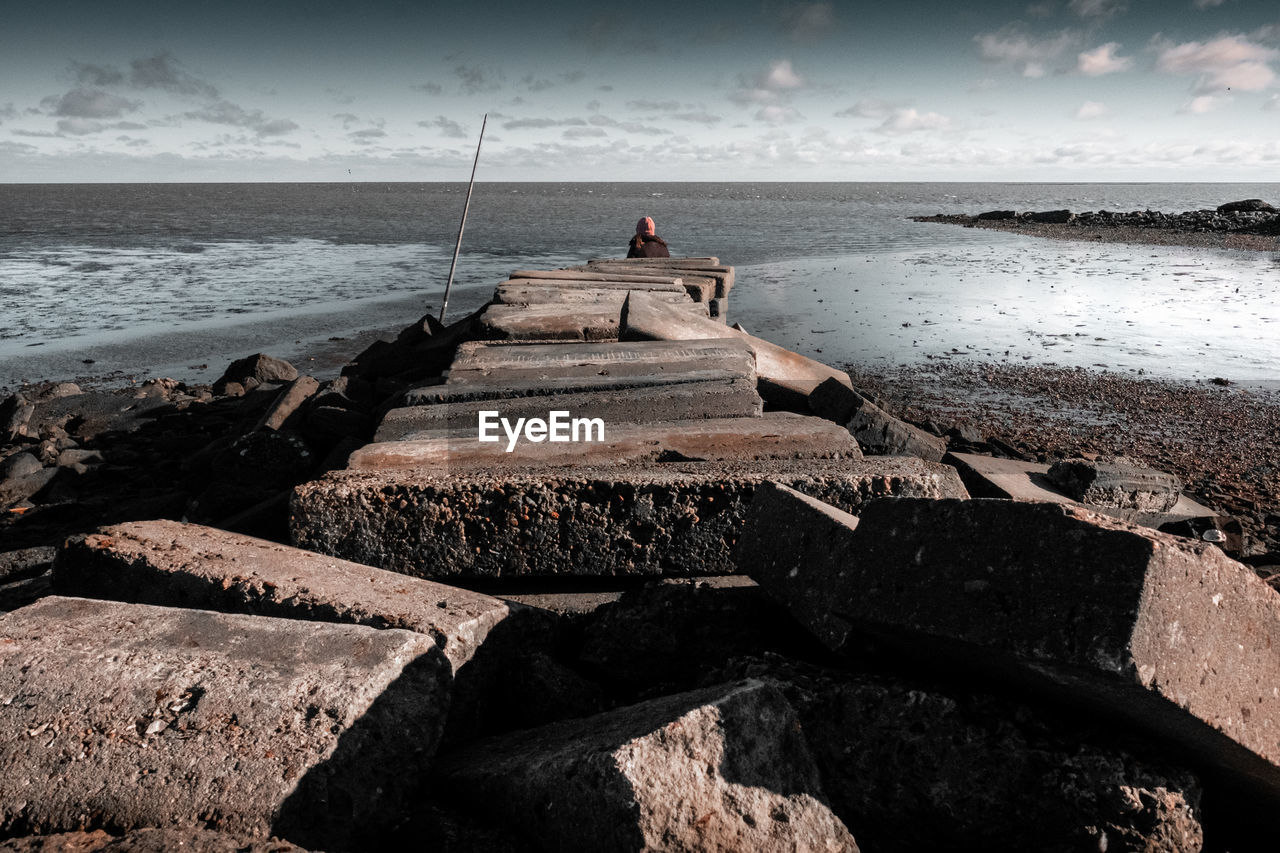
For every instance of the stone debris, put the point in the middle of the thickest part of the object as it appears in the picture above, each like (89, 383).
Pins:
(1116, 482)
(678, 518)
(1139, 625)
(721, 769)
(877, 432)
(150, 840)
(186, 565)
(126, 716)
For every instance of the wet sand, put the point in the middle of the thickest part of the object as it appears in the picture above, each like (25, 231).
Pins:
(1126, 234)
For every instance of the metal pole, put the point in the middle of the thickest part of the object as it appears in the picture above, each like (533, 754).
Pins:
(463, 224)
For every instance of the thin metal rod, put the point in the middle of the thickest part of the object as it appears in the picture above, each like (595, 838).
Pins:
(463, 224)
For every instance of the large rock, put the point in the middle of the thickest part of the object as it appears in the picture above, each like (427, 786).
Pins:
(1116, 482)
(1052, 217)
(679, 518)
(259, 367)
(877, 431)
(721, 769)
(785, 377)
(127, 716)
(15, 414)
(1170, 635)
(776, 435)
(1248, 205)
(187, 565)
(704, 398)
(916, 768)
(285, 410)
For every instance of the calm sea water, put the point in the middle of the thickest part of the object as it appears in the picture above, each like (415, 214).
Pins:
(167, 277)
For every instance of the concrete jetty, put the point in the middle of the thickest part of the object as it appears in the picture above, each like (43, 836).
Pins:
(589, 569)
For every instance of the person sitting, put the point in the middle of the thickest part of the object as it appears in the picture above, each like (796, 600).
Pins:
(647, 244)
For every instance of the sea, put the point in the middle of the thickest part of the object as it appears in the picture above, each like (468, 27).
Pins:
(138, 280)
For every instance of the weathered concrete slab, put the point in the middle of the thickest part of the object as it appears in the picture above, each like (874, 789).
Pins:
(722, 769)
(1171, 635)
(188, 565)
(1013, 479)
(786, 378)
(723, 276)
(587, 274)
(499, 386)
(638, 403)
(776, 435)
(679, 518)
(575, 297)
(708, 260)
(602, 281)
(1115, 482)
(875, 429)
(545, 360)
(126, 716)
(549, 323)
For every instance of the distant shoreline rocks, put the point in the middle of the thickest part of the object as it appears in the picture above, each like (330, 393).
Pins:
(1247, 224)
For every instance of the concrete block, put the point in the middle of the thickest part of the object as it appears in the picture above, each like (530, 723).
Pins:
(534, 361)
(127, 716)
(722, 276)
(785, 377)
(574, 298)
(712, 398)
(776, 435)
(990, 477)
(678, 518)
(601, 281)
(588, 274)
(707, 260)
(878, 432)
(1118, 483)
(187, 565)
(721, 769)
(549, 323)
(1170, 635)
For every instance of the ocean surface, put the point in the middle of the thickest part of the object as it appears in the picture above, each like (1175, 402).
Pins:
(177, 279)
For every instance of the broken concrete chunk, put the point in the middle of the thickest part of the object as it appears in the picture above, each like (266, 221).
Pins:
(187, 565)
(1171, 635)
(721, 769)
(149, 840)
(476, 361)
(1116, 482)
(681, 518)
(776, 435)
(875, 429)
(260, 368)
(575, 298)
(284, 410)
(127, 716)
(708, 398)
(785, 377)
(549, 323)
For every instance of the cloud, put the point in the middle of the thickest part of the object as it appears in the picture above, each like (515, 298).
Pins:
(654, 106)
(808, 22)
(867, 108)
(538, 84)
(428, 87)
(910, 120)
(696, 117)
(475, 79)
(1207, 4)
(1042, 10)
(225, 112)
(1203, 103)
(1097, 9)
(348, 120)
(448, 127)
(772, 87)
(368, 133)
(90, 103)
(1272, 103)
(162, 71)
(1090, 110)
(1226, 62)
(87, 126)
(778, 114)
(518, 123)
(1028, 55)
(584, 132)
(1103, 60)
(96, 75)
(628, 126)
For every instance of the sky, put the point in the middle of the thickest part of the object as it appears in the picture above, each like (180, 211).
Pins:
(757, 90)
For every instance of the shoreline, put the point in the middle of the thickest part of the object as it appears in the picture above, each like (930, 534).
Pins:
(1127, 234)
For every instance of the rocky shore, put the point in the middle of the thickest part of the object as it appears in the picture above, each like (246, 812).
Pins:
(1251, 224)
(765, 611)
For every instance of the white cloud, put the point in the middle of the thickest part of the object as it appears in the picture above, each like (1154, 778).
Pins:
(910, 120)
(1226, 62)
(778, 114)
(781, 76)
(1203, 103)
(809, 21)
(1272, 103)
(1207, 4)
(867, 108)
(1098, 9)
(1027, 54)
(90, 103)
(1103, 60)
(1091, 109)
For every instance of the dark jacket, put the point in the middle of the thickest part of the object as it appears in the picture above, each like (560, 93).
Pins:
(647, 247)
